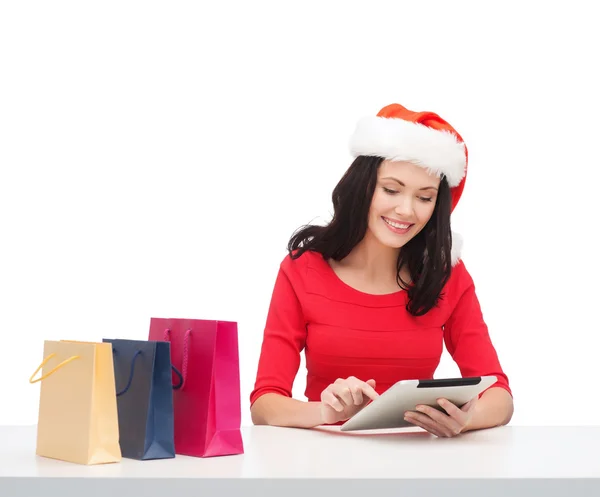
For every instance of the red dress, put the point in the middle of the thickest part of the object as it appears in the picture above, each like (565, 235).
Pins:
(344, 332)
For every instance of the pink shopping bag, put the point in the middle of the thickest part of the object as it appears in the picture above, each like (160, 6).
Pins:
(207, 405)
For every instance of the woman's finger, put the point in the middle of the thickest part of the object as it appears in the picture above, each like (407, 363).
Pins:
(328, 398)
(366, 387)
(368, 390)
(453, 425)
(361, 389)
(461, 415)
(452, 410)
(342, 391)
(426, 423)
(357, 395)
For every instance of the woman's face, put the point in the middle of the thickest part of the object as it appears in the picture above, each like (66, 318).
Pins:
(403, 202)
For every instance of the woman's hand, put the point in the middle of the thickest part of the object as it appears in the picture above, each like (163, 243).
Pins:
(449, 424)
(344, 398)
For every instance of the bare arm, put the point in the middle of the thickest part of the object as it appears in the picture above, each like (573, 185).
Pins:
(339, 401)
(494, 408)
(278, 410)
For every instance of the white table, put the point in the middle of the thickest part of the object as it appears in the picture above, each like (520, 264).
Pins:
(503, 461)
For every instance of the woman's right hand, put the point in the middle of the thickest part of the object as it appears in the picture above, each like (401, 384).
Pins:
(344, 398)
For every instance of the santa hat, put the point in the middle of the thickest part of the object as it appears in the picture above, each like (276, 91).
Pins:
(422, 138)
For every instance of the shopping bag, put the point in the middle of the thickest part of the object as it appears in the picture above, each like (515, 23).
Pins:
(144, 398)
(77, 417)
(208, 404)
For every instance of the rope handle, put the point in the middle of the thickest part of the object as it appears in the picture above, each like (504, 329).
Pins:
(135, 356)
(128, 386)
(56, 368)
(179, 375)
(186, 355)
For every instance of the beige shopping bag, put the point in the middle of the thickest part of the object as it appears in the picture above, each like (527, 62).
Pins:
(78, 417)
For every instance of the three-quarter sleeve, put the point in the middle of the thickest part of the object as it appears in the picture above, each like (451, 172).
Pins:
(284, 339)
(466, 334)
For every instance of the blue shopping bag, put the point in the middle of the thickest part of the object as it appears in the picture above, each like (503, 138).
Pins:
(144, 390)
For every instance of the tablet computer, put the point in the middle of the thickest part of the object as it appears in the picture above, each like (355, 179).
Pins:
(387, 410)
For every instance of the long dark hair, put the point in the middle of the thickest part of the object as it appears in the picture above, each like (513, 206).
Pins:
(427, 255)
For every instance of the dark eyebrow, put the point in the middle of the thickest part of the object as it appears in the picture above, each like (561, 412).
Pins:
(402, 184)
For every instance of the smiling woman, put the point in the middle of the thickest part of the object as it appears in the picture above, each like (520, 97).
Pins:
(372, 296)
(410, 207)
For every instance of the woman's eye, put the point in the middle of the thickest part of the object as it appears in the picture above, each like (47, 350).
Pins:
(393, 192)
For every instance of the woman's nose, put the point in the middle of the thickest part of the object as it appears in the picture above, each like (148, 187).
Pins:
(404, 206)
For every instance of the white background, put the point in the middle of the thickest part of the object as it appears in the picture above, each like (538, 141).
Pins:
(156, 157)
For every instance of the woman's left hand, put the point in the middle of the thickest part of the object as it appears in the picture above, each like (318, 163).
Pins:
(449, 424)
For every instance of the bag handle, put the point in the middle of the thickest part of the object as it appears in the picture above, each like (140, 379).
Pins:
(176, 371)
(186, 355)
(135, 356)
(66, 361)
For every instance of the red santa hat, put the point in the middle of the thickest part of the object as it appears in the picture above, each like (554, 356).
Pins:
(422, 138)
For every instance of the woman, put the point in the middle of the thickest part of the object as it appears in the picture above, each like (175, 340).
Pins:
(372, 296)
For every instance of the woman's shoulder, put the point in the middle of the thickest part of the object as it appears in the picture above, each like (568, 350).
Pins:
(299, 263)
(305, 272)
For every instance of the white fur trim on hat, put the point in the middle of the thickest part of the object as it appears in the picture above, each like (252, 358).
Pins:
(457, 244)
(441, 152)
